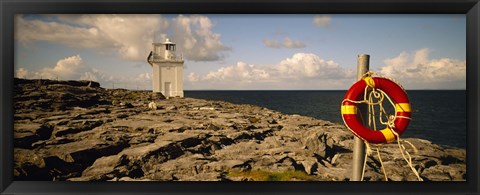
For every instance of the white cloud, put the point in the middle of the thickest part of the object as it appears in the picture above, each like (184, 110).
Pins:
(302, 70)
(22, 73)
(309, 71)
(89, 76)
(130, 36)
(241, 72)
(144, 77)
(96, 75)
(67, 68)
(286, 43)
(307, 65)
(192, 77)
(196, 40)
(418, 71)
(289, 43)
(272, 43)
(322, 20)
(75, 37)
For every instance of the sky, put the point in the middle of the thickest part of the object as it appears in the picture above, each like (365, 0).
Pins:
(245, 52)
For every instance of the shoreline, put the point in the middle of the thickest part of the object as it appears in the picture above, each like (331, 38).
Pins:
(443, 127)
(75, 132)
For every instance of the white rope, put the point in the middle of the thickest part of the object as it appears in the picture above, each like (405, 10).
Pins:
(381, 163)
(368, 151)
(390, 122)
(409, 160)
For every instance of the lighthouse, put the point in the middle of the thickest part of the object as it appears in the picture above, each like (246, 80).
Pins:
(167, 76)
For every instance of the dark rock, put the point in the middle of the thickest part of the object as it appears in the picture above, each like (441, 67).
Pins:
(317, 144)
(143, 138)
(272, 121)
(126, 105)
(26, 134)
(254, 120)
(122, 115)
(455, 172)
(167, 120)
(78, 126)
(311, 166)
(213, 127)
(31, 165)
(103, 168)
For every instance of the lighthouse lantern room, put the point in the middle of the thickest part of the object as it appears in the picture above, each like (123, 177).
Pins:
(167, 76)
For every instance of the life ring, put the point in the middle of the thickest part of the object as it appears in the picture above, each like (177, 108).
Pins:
(397, 95)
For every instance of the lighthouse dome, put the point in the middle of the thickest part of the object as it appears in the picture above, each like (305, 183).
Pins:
(167, 41)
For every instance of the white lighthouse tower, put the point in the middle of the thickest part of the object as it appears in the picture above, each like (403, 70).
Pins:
(167, 69)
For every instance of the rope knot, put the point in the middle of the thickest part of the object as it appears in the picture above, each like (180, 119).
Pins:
(369, 81)
(391, 122)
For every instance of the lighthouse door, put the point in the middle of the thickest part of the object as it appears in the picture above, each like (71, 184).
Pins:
(168, 86)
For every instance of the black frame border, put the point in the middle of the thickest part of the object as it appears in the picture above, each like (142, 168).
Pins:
(8, 9)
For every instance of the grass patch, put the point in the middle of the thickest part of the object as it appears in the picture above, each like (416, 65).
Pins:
(259, 175)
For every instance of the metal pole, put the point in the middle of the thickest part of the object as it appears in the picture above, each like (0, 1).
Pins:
(358, 145)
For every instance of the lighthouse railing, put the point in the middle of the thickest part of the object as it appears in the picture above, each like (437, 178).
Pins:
(155, 57)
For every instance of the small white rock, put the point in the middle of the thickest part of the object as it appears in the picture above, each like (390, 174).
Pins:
(152, 105)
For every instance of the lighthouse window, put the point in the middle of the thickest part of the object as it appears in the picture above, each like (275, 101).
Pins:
(170, 47)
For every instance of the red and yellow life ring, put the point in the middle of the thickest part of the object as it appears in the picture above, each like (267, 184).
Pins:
(397, 95)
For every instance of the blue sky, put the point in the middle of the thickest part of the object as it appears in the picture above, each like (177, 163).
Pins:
(246, 51)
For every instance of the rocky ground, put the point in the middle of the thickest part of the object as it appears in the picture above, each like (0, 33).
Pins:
(78, 131)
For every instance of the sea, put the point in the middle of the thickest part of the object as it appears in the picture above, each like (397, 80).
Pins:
(438, 115)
